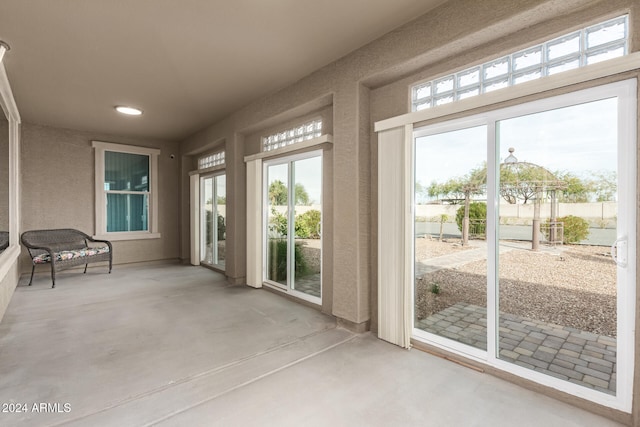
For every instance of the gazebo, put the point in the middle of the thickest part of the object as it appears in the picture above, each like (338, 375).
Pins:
(529, 181)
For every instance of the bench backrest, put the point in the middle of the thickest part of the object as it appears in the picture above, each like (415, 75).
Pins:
(57, 239)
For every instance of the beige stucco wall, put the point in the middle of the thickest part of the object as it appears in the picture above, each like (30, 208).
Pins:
(57, 188)
(371, 84)
(450, 36)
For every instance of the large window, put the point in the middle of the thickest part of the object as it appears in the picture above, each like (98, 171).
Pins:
(126, 191)
(589, 45)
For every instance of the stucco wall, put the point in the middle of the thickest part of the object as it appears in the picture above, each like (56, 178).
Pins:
(57, 187)
(475, 29)
(371, 84)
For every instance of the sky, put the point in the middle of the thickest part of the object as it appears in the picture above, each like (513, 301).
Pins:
(581, 139)
(308, 172)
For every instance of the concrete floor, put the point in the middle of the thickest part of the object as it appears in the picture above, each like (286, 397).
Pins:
(172, 345)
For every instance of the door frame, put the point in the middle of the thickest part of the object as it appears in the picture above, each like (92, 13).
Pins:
(202, 217)
(288, 160)
(626, 92)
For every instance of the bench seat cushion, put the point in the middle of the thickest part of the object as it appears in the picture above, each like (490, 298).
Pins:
(66, 255)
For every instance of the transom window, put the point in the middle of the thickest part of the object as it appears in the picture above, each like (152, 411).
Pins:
(589, 45)
(303, 132)
(211, 160)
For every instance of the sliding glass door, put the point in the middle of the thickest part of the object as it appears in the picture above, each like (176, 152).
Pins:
(524, 245)
(293, 225)
(450, 230)
(213, 218)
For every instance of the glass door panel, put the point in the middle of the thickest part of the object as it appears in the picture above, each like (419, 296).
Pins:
(450, 245)
(277, 245)
(206, 240)
(558, 210)
(221, 218)
(307, 178)
(213, 217)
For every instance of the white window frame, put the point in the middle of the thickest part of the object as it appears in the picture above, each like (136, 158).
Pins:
(101, 195)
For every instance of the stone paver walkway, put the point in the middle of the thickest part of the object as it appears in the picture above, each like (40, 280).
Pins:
(560, 351)
(310, 284)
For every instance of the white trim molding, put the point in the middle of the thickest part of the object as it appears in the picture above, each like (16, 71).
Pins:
(395, 225)
(100, 200)
(254, 223)
(9, 256)
(194, 218)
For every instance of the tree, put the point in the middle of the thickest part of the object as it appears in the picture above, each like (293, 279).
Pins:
(457, 189)
(279, 195)
(451, 189)
(422, 192)
(605, 186)
(576, 190)
(302, 197)
(523, 181)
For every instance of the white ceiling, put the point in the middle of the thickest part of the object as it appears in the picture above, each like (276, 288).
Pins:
(186, 63)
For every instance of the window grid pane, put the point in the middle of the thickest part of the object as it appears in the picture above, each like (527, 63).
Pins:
(309, 130)
(599, 42)
(126, 171)
(127, 212)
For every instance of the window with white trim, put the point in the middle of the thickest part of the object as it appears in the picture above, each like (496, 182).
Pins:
(303, 132)
(605, 40)
(211, 160)
(126, 191)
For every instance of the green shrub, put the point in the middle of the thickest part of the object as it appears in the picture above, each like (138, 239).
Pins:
(575, 229)
(477, 211)
(277, 263)
(435, 288)
(222, 227)
(278, 223)
(308, 224)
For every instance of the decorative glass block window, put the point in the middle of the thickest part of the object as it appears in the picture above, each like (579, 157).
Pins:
(606, 40)
(310, 130)
(211, 160)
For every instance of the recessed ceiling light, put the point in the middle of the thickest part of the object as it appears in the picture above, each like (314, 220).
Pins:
(130, 111)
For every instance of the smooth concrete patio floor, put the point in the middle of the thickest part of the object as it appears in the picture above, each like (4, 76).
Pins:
(174, 345)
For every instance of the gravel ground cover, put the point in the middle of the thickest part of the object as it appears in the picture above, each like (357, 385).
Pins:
(574, 286)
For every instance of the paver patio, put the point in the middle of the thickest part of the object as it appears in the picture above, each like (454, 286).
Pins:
(567, 353)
